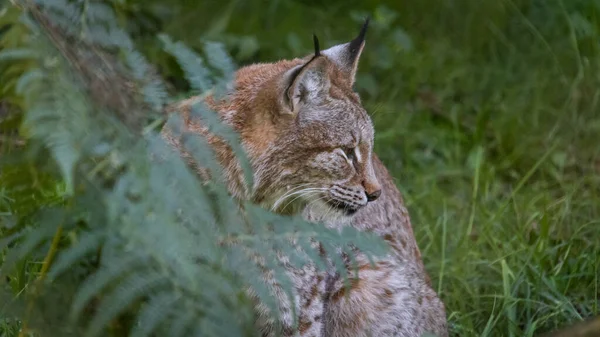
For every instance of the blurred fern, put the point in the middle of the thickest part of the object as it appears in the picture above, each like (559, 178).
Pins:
(136, 244)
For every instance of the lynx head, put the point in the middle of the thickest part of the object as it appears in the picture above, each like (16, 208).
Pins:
(310, 139)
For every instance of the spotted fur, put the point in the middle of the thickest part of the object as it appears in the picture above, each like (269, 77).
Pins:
(310, 144)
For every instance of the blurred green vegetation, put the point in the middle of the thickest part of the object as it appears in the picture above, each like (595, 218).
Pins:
(486, 112)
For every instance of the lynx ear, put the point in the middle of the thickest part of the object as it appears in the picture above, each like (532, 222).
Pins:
(346, 55)
(306, 84)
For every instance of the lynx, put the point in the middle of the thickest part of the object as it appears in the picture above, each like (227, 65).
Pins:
(310, 144)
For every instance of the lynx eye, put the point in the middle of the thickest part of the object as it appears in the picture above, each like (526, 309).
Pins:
(350, 154)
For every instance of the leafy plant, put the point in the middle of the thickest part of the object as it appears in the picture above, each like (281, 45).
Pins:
(133, 241)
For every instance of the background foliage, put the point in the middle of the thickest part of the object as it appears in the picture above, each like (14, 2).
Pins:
(486, 112)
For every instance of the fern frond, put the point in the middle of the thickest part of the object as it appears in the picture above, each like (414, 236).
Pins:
(215, 126)
(127, 292)
(196, 72)
(93, 285)
(63, 116)
(184, 250)
(153, 89)
(89, 242)
(64, 14)
(110, 37)
(99, 12)
(26, 80)
(153, 313)
(53, 219)
(219, 59)
(181, 324)
(18, 54)
(4, 242)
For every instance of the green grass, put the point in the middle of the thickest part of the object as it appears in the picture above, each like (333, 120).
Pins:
(495, 146)
(487, 114)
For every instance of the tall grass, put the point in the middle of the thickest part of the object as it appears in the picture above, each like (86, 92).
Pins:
(493, 135)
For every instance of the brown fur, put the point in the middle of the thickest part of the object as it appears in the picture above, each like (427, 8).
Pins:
(310, 141)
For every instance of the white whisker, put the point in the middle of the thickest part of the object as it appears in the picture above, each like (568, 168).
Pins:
(330, 208)
(288, 192)
(308, 192)
(317, 199)
(301, 192)
(292, 193)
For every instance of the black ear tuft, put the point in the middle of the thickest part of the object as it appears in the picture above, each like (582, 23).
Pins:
(317, 49)
(346, 55)
(358, 41)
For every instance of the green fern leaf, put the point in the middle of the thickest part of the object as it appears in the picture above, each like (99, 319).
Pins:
(153, 314)
(93, 285)
(110, 37)
(193, 66)
(127, 292)
(218, 58)
(182, 248)
(99, 12)
(4, 242)
(18, 54)
(89, 242)
(181, 324)
(212, 122)
(53, 218)
(28, 80)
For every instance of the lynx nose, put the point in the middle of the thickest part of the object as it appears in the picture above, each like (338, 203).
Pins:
(371, 184)
(372, 189)
(373, 195)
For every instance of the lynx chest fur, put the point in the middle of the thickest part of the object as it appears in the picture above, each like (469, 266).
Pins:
(310, 144)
